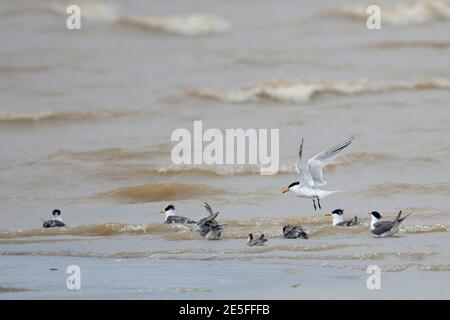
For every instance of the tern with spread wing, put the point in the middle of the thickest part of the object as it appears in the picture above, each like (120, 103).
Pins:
(311, 178)
(208, 227)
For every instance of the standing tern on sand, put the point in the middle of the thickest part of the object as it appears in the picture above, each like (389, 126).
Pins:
(311, 177)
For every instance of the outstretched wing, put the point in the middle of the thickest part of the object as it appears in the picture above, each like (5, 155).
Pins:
(211, 215)
(208, 208)
(320, 160)
(303, 172)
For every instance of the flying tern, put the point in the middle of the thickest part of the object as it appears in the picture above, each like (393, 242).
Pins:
(310, 176)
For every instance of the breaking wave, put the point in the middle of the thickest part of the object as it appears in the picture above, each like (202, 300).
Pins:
(435, 267)
(347, 160)
(91, 10)
(110, 154)
(260, 253)
(120, 169)
(159, 192)
(414, 13)
(425, 229)
(187, 25)
(397, 267)
(407, 44)
(13, 289)
(55, 116)
(194, 24)
(235, 229)
(303, 91)
(104, 229)
(217, 170)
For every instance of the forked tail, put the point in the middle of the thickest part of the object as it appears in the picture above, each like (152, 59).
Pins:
(323, 194)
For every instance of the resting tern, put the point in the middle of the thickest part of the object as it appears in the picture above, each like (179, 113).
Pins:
(256, 242)
(294, 232)
(339, 221)
(172, 217)
(311, 175)
(385, 228)
(56, 222)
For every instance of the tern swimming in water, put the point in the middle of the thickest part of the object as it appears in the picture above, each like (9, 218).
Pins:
(311, 175)
(339, 221)
(172, 217)
(294, 232)
(208, 227)
(256, 242)
(56, 222)
(385, 228)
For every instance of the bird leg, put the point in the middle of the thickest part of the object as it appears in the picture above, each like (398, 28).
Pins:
(314, 203)
(318, 202)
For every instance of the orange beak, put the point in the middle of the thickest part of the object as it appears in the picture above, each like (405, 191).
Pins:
(285, 190)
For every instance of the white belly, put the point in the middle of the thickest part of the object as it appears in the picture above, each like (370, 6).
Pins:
(306, 192)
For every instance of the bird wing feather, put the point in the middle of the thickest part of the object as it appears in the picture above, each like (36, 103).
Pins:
(383, 226)
(320, 160)
(303, 172)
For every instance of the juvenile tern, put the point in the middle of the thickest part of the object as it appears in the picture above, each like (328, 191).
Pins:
(208, 227)
(172, 217)
(256, 242)
(56, 221)
(311, 177)
(385, 228)
(294, 232)
(339, 221)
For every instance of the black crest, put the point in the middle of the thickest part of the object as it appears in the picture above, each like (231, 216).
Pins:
(294, 184)
(56, 212)
(169, 207)
(338, 211)
(376, 214)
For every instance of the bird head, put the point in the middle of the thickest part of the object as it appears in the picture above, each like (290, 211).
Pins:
(338, 212)
(293, 184)
(169, 210)
(375, 214)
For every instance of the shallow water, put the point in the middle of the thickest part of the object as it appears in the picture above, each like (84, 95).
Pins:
(86, 118)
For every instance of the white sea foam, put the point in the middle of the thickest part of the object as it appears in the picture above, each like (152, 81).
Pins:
(187, 25)
(193, 24)
(302, 91)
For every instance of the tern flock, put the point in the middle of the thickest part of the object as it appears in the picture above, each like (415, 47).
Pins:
(309, 186)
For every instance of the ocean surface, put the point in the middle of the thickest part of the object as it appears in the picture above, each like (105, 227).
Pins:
(86, 118)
